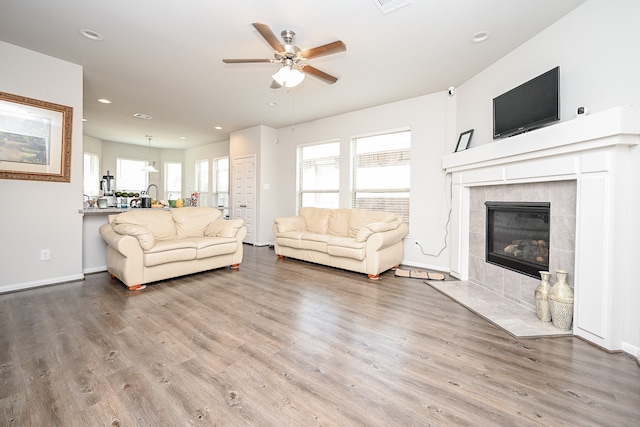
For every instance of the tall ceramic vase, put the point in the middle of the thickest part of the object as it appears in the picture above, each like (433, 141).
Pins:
(542, 297)
(561, 302)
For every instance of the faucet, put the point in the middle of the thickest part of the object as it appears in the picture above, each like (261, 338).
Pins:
(156, 187)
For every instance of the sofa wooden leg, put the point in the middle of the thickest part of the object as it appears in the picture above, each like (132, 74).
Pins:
(374, 276)
(280, 256)
(395, 267)
(235, 265)
(137, 287)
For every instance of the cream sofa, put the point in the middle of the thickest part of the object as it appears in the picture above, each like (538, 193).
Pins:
(147, 245)
(359, 240)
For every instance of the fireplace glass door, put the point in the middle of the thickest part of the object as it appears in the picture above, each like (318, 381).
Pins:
(518, 236)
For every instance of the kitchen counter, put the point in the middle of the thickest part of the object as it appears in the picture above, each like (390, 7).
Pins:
(107, 211)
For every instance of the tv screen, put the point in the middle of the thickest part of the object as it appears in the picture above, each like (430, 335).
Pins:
(531, 105)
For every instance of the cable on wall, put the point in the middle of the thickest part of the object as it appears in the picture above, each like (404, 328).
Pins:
(446, 227)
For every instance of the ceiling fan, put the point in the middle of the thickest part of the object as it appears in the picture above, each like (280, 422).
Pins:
(293, 60)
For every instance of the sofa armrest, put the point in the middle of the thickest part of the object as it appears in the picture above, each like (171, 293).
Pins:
(142, 234)
(289, 223)
(224, 228)
(382, 239)
(375, 227)
(125, 244)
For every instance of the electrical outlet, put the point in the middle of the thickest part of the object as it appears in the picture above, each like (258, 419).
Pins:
(45, 254)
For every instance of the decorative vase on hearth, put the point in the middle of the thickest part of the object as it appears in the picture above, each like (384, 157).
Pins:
(542, 297)
(561, 302)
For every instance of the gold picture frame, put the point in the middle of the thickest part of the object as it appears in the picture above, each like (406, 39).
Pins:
(35, 139)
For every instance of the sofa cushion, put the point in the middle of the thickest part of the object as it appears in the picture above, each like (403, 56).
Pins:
(193, 221)
(314, 242)
(213, 246)
(361, 217)
(291, 239)
(346, 247)
(159, 222)
(316, 219)
(224, 228)
(339, 222)
(166, 251)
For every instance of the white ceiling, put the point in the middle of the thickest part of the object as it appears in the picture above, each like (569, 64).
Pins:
(164, 58)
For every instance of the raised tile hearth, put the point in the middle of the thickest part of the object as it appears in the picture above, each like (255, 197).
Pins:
(506, 314)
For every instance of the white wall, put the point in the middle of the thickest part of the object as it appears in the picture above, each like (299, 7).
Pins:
(596, 48)
(268, 170)
(42, 215)
(431, 126)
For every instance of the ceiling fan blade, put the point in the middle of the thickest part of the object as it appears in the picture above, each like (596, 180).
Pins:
(243, 61)
(327, 49)
(275, 85)
(268, 35)
(328, 78)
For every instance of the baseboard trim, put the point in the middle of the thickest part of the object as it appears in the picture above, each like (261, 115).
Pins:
(39, 283)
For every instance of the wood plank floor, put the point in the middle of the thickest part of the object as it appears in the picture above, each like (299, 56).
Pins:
(288, 343)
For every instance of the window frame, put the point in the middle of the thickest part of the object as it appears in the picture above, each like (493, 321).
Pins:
(300, 191)
(405, 154)
(137, 169)
(168, 190)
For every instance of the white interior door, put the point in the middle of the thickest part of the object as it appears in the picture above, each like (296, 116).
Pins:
(244, 193)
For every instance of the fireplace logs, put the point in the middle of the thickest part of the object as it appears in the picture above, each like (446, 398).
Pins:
(536, 251)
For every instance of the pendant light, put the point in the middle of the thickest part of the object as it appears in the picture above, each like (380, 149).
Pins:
(150, 167)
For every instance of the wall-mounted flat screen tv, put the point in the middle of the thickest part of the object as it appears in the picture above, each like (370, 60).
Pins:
(529, 106)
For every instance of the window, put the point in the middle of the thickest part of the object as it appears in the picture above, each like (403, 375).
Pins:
(91, 175)
(221, 184)
(130, 175)
(319, 175)
(173, 181)
(381, 173)
(202, 181)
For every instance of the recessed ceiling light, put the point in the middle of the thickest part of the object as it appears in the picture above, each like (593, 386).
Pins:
(217, 127)
(104, 100)
(273, 104)
(142, 116)
(480, 36)
(84, 120)
(183, 138)
(90, 34)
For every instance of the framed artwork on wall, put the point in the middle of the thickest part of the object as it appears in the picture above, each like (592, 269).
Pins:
(35, 139)
(464, 140)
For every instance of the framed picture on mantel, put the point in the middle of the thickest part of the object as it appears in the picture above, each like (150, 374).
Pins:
(35, 139)
(464, 140)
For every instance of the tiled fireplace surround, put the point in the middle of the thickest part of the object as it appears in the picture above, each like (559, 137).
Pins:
(582, 168)
(516, 286)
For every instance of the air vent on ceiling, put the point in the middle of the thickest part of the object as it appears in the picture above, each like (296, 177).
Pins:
(387, 6)
(142, 116)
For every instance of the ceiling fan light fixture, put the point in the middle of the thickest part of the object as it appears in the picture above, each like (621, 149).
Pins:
(288, 76)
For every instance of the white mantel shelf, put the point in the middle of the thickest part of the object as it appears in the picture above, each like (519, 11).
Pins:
(582, 133)
(594, 150)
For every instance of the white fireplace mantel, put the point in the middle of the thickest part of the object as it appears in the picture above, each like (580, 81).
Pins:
(594, 150)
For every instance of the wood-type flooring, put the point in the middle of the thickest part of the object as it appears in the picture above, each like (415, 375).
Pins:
(289, 343)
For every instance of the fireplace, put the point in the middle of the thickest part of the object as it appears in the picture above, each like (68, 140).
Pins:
(517, 236)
